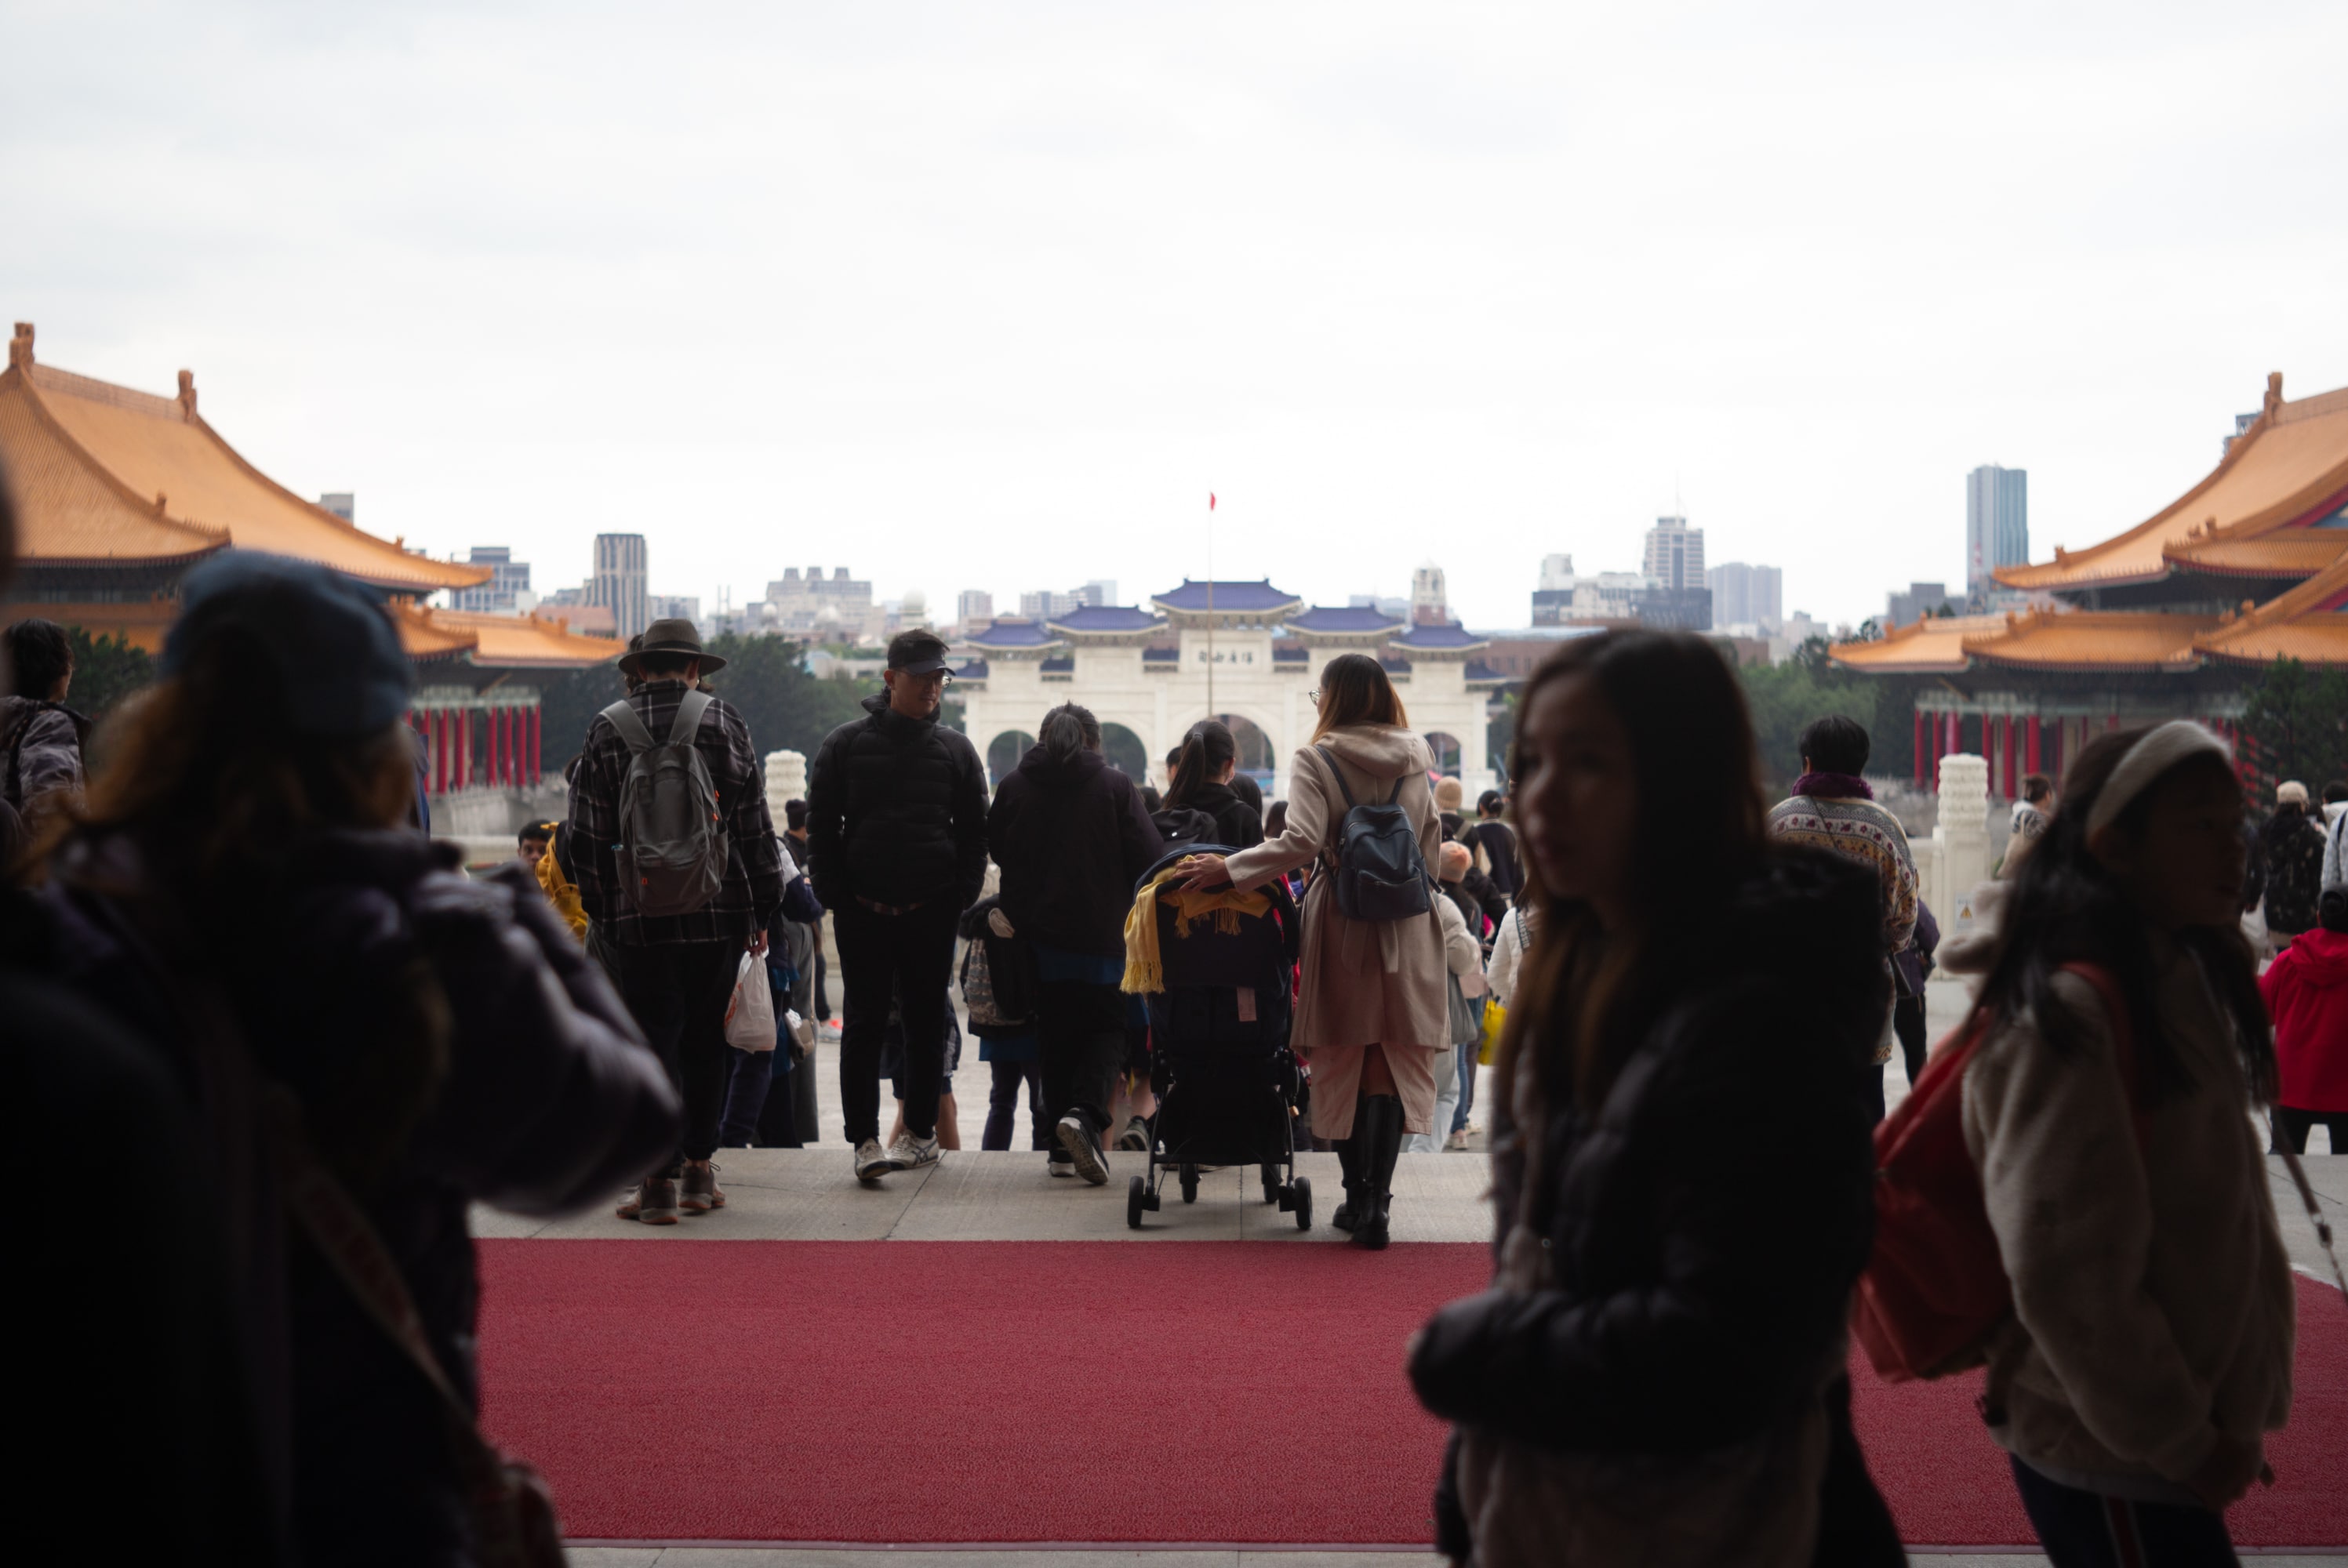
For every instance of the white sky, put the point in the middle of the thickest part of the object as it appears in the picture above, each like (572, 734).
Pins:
(992, 295)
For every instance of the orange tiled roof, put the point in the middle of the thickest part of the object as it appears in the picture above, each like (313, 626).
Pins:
(2105, 640)
(106, 474)
(2310, 623)
(2290, 469)
(1933, 645)
(2289, 552)
(523, 641)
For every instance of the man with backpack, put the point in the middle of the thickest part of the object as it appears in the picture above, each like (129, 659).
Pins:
(896, 849)
(676, 864)
(40, 737)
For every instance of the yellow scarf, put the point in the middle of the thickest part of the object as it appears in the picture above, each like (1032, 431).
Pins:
(1145, 972)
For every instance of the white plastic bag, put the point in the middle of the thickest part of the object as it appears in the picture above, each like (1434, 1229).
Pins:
(750, 1016)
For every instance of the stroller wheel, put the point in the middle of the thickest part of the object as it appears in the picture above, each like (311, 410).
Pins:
(1300, 1198)
(1136, 1197)
(1189, 1183)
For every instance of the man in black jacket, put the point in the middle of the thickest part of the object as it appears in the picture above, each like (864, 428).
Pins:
(896, 849)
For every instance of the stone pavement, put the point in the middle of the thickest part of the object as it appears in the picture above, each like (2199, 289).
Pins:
(812, 1195)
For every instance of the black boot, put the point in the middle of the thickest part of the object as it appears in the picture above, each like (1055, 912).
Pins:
(1349, 1161)
(1377, 1126)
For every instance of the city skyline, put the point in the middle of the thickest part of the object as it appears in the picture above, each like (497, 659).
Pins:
(994, 298)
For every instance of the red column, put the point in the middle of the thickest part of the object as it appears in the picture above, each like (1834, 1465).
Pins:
(439, 721)
(1917, 757)
(464, 717)
(2029, 743)
(2005, 743)
(537, 745)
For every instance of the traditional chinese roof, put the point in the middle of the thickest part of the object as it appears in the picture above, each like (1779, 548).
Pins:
(2102, 641)
(107, 475)
(2288, 472)
(1013, 633)
(1122, 619)
(1448, 638)
(1231, 597)
(1933, 645)
(2310, 623)
(1348, 621)
(539, 641)
(2290, 552)
(1482, 674)
(976, 669)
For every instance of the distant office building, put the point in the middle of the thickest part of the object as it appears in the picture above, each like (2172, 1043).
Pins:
(1746, 595)
(1394, 609)
(1674, 609)
(1098, 594)
(674, 607)
(974, 609)
(835, 606)
(1997, 525)
(1565, 598)
(508, 581)
(1675, 555)
(1922, 598)
(1430, 603)
(618, 583)
(341, 503)
(1047, 606)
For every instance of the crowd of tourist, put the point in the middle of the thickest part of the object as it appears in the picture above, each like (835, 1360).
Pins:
(313, 1042)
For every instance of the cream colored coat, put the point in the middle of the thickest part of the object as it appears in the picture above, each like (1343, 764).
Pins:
(1362, 982)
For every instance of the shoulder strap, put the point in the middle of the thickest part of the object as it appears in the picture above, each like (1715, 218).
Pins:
(623, 714)
(1329, 758)
(688, 717)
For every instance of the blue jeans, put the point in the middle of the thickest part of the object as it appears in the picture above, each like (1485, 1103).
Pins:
(2086, 1530)
(1466, 1083)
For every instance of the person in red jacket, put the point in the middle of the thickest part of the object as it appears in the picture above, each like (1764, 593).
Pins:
(2306, 992)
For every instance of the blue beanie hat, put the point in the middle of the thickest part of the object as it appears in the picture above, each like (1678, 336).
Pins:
(336, 658)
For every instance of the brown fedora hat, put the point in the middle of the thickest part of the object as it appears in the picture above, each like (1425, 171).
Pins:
(670, 637)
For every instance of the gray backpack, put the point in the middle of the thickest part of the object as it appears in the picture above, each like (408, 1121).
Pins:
(673, 847)
(1380, 874)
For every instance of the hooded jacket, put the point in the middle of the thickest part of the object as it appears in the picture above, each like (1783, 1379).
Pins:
(2306, 992)
(896, 812)
(1704, 1227)
(1238, 824)
(2292, 845)
(1072, 839)
(549, 1100)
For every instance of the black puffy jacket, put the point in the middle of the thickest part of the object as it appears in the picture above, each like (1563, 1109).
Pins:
(1238, 824)
(1072, 838)
(549, 1100)
(896, 812)
(1706, 1224)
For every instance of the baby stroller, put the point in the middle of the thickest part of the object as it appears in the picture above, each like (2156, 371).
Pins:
(1227, 1085)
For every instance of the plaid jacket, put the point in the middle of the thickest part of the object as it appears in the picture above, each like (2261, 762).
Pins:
(752, 890)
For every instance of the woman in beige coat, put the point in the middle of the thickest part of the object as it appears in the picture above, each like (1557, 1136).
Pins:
(1371, 1011)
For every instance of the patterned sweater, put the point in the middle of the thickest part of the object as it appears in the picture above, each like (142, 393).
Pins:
(1863, 831)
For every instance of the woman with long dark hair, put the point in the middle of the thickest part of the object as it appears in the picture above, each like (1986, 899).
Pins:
(1372, 1007)
(375, 1042)
(1680, 1163)
(1202, 782)
(2107, 1108)
(1069, 833)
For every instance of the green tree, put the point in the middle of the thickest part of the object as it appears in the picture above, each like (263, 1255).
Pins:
(106, 669)
(1784, 698)
(767, 680)
(2297, 724)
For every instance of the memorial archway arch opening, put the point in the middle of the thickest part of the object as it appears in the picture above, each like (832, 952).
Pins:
(1260, 752)
(1003, 752)
(1125, 751)
(1446, 747)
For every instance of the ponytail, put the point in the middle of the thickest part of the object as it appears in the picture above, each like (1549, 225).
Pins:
(1206, 750)
(1067, 729)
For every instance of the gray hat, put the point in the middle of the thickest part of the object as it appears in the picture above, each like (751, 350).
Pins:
(334, 655)
(669, 637)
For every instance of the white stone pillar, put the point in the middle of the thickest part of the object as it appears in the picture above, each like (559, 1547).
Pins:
(1962, 838)
(787, 780)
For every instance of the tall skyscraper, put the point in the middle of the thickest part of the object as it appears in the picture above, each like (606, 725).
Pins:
(1746, 595)
(619, 584)
(1997, 525)
(1675, 555)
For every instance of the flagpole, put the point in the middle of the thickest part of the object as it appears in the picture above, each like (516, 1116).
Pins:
(1210, 604)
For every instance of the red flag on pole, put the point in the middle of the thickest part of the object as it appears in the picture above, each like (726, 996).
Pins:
(1210, 500)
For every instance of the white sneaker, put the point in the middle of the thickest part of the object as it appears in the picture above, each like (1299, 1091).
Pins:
(872, 1165)
(1458, 1140)
(909, 1154)
(1083, 1145)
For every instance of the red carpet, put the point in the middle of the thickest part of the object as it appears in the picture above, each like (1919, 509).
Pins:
(1192, 1391)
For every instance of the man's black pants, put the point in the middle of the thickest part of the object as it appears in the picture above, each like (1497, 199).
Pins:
(1081, 1028)
(677, 992)
(905, 958)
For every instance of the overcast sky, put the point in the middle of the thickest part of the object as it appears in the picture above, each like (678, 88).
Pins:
(992, 295)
